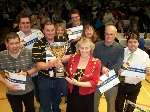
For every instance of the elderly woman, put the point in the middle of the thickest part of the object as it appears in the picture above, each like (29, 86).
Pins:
(83, 73)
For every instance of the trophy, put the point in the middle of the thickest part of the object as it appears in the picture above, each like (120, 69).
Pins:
(58, 50)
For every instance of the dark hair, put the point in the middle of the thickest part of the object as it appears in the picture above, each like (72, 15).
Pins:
(47, 22)
(94, 37)
(74, 11)
(133, 36)
(23, 16)
(11, 35)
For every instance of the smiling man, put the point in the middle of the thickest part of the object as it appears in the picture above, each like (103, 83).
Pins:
(111, 55)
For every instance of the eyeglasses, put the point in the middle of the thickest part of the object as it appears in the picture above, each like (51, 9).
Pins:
(74, 17)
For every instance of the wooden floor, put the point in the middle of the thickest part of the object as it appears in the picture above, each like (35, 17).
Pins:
(143, 99)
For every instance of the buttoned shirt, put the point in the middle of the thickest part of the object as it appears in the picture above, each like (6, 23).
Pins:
(139, 58)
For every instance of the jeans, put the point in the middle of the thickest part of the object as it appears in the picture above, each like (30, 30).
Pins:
(49, 93)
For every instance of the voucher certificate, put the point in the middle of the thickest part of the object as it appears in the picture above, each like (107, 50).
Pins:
(74, 32)
(134, 71)
(108, 81)
(20, 80)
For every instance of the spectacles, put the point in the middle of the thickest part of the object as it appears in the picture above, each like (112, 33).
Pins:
(75, 17)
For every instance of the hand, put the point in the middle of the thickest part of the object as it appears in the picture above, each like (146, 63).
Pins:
(12, 87)
(55, 63)
(22, 73)
(105, 70)
(99, 82)
(72, 81)
(148, 70)
(120, 71)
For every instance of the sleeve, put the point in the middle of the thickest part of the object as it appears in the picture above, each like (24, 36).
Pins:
(119, 61)
(96, 73)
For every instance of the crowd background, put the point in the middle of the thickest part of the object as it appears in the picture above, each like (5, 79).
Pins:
(125, 15)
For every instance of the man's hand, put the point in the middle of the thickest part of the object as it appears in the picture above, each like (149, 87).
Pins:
(148, 70)
(11, 86)
(105, 70)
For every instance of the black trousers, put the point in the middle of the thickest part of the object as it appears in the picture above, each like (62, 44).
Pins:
(16, 102)
(126, 92)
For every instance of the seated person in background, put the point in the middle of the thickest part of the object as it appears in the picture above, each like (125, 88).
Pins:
(129, 89)
(83, 75)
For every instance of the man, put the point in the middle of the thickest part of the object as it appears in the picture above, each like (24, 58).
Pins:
(27, 35)
(75, 18)
(12, 60)
(130, 87)
(111, 55)
(49, 85)
(75, 21)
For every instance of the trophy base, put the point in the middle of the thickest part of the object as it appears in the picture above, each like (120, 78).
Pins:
(60, 75)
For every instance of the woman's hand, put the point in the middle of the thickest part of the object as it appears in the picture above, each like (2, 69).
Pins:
(72, 81)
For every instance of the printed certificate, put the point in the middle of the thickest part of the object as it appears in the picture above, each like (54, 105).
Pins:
(74, 32)
(108, 81)
(136, 71)
(20, 80)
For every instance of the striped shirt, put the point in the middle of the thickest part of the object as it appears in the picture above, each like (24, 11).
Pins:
(22, 62)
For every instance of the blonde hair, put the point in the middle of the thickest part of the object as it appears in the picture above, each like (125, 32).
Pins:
(85, 40)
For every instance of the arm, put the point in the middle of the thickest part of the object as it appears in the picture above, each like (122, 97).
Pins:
(119, 61)
(11, 87)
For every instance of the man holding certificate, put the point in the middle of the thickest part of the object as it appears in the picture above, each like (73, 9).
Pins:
(136, 65)
(16, 66)
(111, 55)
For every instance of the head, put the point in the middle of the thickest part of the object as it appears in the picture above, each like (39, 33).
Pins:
(49, 30)
(110, 34)
(12, 42)
(133, 42)
(75, 17)
(85, 47)
(25, 24)
(89, 32)
(60, 29)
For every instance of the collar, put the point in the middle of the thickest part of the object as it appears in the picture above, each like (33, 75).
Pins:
(113, 44)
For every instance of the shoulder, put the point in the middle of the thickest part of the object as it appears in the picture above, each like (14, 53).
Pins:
(3, 53)
(142, 53)
(37, 32)
(99, 44)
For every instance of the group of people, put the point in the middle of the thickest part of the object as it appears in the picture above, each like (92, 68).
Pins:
(86, 59)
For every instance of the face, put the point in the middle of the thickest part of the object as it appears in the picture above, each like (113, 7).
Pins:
(25, 25)
(13, 45)
(133, 44)
(89, 32)
(49, 31)
(75, 18)
(110, 35)
(60, 31)
(85, 50)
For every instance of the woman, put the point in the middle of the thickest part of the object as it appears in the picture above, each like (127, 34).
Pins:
(61, 32)
(83, 73)
(89, 32)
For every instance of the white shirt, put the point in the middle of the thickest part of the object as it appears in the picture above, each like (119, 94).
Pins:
(139, 57)
(29, 40)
